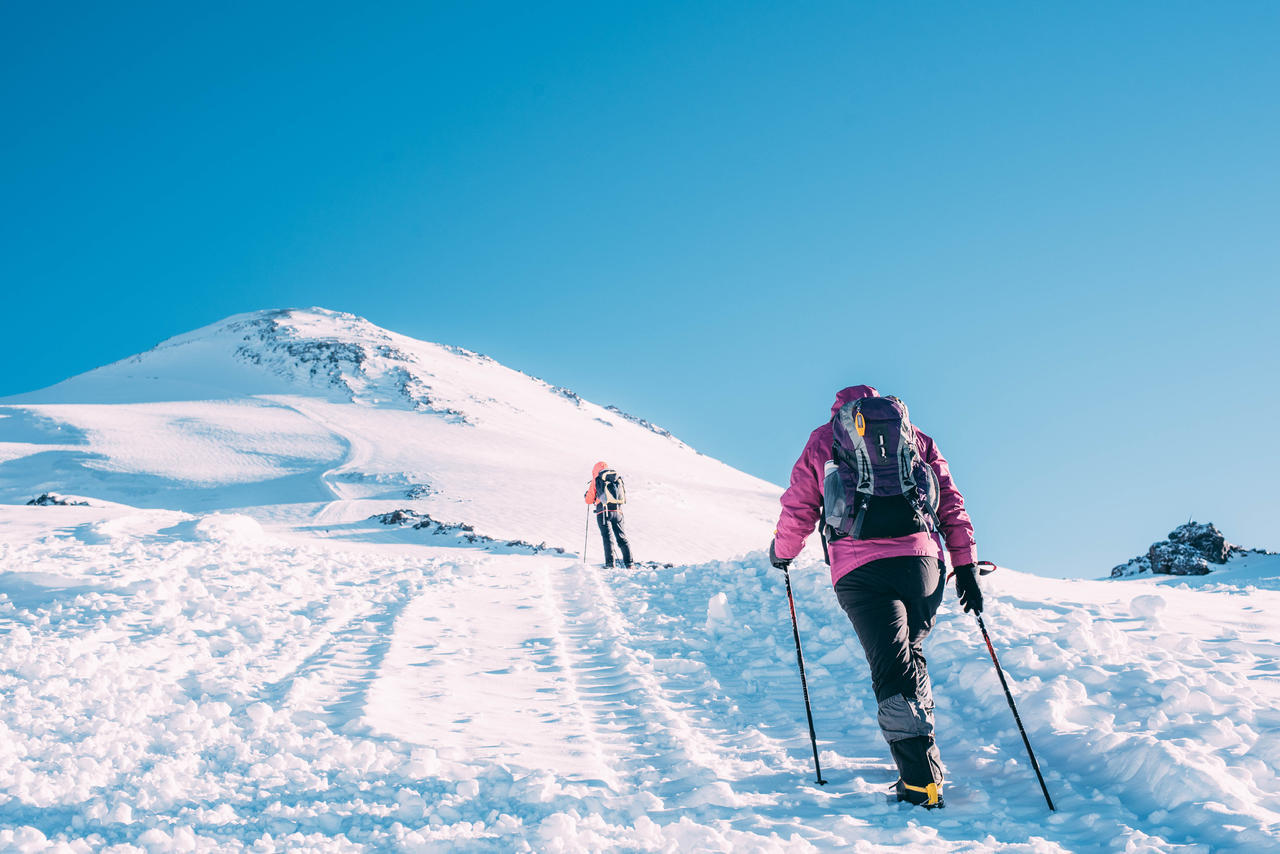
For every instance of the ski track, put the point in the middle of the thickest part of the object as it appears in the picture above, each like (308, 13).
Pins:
(640, 728)
(333, 682)
(358, 453)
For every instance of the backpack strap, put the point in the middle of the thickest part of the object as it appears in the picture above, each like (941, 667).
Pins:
(860, 514)
(908, 452)
(855, 427)
(851, 419)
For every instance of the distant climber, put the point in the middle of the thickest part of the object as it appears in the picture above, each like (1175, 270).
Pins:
(607, 492)
(883, 496)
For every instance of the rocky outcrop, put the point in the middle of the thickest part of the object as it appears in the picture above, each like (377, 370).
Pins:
(648, 425)
(53, 499)
(359, 363)
(1191, 549)
(463, 531)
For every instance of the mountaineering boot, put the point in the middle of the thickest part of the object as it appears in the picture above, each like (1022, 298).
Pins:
(929, 797)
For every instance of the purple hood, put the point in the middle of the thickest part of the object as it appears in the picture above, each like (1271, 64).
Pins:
(853, 392)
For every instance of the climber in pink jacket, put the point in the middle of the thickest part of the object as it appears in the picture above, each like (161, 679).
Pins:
(890, 587)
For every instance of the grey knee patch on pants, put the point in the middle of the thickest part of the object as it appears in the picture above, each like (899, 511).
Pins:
(902, 717)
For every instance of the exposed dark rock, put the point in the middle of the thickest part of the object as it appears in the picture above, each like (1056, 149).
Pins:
(1134, 566)
(648, 425)
(53, 499)
(398, 517)
(1191, 549)
(1177, 559)
(463, 351)
(1205, 539)
(567, 394)
(463, 531)
(368, 368)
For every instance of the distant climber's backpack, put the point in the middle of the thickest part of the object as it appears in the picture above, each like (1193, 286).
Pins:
(876, 483)
(609, 488)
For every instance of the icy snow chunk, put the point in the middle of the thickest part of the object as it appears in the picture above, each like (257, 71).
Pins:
(1149, 605)
(156, 840)
(423, 762)
(410, 805)
(229, 528)
(259, 713)
(23, 839)
(719, 614)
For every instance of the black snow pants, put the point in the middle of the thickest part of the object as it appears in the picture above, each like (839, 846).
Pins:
(612, 520)
(892, 603)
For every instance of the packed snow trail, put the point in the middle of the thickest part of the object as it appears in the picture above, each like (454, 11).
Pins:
(179, 682)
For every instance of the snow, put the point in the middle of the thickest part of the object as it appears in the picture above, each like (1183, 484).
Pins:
(222, 652)
(313, 418)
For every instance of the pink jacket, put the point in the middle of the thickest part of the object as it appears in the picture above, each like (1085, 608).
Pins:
(802, 500)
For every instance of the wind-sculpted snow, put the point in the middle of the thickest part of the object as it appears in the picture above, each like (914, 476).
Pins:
(178, 682)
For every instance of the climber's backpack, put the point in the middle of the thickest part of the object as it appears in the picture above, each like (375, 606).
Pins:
(609, 488)
(876, 484)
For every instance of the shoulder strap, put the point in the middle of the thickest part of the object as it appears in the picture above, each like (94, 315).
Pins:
(850, 417)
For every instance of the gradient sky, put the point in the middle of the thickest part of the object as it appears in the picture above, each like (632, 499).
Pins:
(1052, 228)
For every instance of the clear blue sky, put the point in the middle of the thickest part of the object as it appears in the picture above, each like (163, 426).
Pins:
(1051, 228)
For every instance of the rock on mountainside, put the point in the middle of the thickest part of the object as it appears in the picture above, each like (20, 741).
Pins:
(1191, 549)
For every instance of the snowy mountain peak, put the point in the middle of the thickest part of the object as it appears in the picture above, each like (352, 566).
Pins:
(316, 351)
(341, 353)
(324, 417)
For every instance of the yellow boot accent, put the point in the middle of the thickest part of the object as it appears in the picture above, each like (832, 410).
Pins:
(933, 792)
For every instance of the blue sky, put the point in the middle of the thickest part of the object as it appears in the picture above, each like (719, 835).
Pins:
(1051, 228)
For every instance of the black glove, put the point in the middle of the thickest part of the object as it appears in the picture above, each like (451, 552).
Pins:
(778, 562)
(967, 588)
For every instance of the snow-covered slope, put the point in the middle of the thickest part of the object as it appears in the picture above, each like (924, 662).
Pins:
(220, 652)
(323, 419)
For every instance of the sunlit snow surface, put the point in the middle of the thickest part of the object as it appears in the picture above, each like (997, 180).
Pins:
(224, 653)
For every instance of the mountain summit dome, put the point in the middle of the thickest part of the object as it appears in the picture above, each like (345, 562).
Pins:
(321, 418)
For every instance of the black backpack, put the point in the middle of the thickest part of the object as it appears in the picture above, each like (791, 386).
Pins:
(876, 483)
(609, 488)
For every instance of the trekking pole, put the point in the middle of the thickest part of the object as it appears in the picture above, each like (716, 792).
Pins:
(1008, 696)
(804, 684)
(586, 535)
